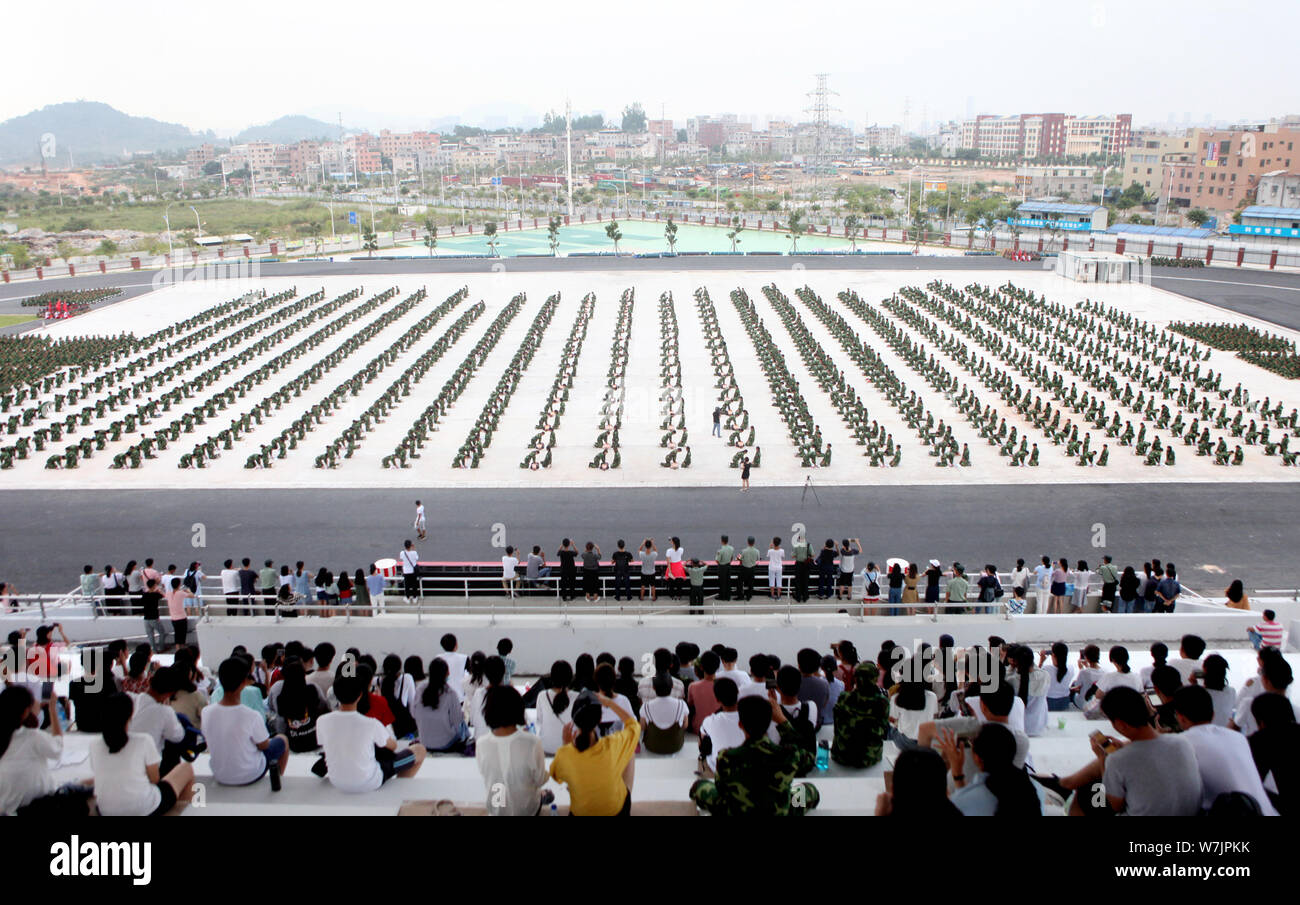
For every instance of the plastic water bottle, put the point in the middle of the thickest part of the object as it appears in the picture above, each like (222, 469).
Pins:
(823, 755)
(555, 810)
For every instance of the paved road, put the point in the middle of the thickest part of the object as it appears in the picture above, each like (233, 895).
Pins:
(1271, 296)
(1245, 531)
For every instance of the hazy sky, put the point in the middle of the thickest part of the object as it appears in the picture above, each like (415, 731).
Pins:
(227, 65)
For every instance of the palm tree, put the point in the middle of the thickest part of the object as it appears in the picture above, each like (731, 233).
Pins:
(370, 242)
(553, 234)
(794, 228)
(1197, 217)
(737, 227)
(490, 233)
(670, 233)
(430, 235)
(851, 226)
(611, 230)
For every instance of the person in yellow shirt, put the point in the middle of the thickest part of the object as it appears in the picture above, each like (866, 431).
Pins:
(592, 767)
(1236, 595)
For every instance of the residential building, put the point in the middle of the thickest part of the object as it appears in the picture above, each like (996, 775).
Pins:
(1068, 182)
(1224, 167)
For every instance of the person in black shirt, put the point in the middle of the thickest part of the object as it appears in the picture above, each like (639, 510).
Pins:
(622, 562)
(932, 576)
(159, 632)
(826, 571)
(89, 693)
(1276, 748)
(1166, 681)
(568, 570)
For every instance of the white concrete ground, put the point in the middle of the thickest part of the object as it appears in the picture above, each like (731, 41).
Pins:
(641, 453)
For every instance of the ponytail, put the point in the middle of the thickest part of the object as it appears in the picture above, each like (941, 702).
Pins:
(117, 717)
(15, 703)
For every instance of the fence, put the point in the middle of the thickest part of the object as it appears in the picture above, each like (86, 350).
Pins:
(541, 597)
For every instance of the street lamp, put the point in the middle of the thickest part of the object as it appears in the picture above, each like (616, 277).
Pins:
(167, 220)
(197, 222)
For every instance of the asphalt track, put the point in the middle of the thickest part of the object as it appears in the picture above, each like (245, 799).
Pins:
(1268, 295)
(1211, 531)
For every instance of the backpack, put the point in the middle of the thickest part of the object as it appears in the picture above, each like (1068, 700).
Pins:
(873, 587)
(804, 730)
(191, 581)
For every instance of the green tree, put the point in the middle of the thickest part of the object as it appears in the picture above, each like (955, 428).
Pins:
(670, 233)
(794, 228)
(553, 234)
(490, 233)
(634, 119)
(851, 225)
(370, 242)
(107, 248)
(611, 230)
(66, 251)
(1197, 217)
(22, 257)
(316, 233)
(737, 227)
(430, 235)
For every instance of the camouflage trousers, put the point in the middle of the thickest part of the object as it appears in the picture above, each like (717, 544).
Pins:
(704, 792)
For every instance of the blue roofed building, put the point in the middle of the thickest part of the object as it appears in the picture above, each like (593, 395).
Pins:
(1064, 216)
(1268, 222)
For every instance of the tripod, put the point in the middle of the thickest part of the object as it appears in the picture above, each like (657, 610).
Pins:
(807, 486)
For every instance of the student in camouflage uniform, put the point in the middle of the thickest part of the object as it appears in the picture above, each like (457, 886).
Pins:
(861, 720)
(756, 779)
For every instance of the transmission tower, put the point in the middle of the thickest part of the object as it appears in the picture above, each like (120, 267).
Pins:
(820, 109)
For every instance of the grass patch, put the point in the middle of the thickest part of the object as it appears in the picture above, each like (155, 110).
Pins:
(8, 320)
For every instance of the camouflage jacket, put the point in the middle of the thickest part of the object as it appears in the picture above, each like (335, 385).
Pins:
(755, 778)
(861, 722)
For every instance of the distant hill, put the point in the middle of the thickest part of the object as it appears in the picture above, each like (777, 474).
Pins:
(92, 131)
(288, 129)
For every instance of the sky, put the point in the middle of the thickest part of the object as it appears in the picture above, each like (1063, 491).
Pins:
(407, 64)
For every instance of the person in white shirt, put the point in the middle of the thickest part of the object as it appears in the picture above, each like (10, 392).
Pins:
(1031, 684)
(722, 729)
(663, 660)
(128, 782)
(1085, 680)
(1222, 755)
(1275, 677)
(509, 571)
(1060, 675)
(155, 718)
(26, 780)
(361, 753)
(1122, 677)
(1019, 577)
(419, 524)
(674, 571)
(1042, 585)
(911, 706)
(1080, 578)
(511, 762)
(455, 661)
(729, 656)
(230, 586)
(664, 718)
(555, 707)
(1188, 661)
(1214, 679)
(775, 563)
(240, 749)
(409, 559)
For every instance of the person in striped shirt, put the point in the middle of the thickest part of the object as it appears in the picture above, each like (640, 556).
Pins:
(1267, 633)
